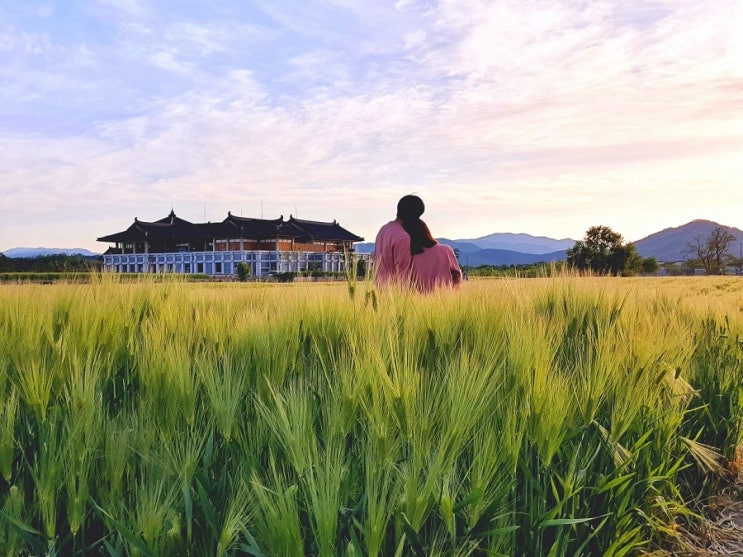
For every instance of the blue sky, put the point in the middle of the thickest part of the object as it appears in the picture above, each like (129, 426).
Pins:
(537, 116)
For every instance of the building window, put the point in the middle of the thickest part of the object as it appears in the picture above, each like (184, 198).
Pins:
(199, 267)
(218, 268)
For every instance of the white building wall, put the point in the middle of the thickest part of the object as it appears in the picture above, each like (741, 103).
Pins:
(216, 263)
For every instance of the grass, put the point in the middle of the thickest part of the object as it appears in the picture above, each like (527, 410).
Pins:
(560, 416)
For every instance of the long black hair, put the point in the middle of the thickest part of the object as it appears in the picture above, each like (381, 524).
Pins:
(409, 210)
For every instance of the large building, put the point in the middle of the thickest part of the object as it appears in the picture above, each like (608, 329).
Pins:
(174, 245)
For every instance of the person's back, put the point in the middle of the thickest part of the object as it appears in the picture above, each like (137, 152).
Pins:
(436, 267)
(392, 254)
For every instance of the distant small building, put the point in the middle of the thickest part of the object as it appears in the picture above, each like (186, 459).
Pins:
(175, 245)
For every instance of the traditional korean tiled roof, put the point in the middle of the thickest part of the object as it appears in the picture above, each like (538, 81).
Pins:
(331, 231)
(171, 228)
(234, 226)
(175, 229)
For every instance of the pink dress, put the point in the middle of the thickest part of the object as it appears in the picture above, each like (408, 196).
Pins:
(436, 267)
(392, 255)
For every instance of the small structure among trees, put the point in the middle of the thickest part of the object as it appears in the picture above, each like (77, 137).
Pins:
(604, 252)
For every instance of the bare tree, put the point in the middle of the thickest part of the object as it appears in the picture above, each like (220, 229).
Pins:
(697, 254)
(719, 240)
(710, 252)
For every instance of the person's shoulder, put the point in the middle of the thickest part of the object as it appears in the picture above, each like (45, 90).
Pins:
(437, 250)
(391, 226)
(386, 228)
(397, 231)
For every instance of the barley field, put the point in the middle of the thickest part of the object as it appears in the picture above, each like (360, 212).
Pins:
(560, 416)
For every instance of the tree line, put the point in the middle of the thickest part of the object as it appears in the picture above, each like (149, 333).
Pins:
(58, 263)
(604, 252)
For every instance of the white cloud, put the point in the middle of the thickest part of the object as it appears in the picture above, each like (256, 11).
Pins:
(167, 61)
(523, 116)
(130, 7)
(19, 42)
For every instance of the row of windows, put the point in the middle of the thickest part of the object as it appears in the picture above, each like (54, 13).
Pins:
(200, 268)
(226, 257)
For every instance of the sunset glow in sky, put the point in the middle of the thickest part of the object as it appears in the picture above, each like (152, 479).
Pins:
(537, 116)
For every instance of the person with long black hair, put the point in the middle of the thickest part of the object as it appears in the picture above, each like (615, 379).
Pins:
(434, 265)
(406, 254)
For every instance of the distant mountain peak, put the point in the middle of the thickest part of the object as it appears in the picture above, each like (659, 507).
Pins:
(36, 252)
(520, 242)
(671, 244)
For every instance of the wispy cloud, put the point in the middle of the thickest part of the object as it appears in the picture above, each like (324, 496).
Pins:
(129, 7)
(511, 115)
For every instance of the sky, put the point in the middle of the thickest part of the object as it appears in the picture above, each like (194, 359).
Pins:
(543, 117)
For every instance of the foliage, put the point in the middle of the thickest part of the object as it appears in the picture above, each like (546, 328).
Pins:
(243, 271)
(569, 416)
(649, 265)
(92, 277)
(49, 263)
(603, 251)
(44, 278)
(711, 253)
(529, 270)
(290, 276)
(362, 268)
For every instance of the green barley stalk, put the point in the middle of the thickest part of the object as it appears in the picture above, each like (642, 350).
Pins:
(8, 418)
(276, 518)
(224, 381)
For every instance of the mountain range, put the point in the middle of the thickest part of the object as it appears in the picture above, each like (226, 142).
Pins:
(36, 252)
(667, 246)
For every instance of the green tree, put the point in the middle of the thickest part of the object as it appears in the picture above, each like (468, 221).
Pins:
(600, 251)
(604, 252)
(649, 265)
(243, 271)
